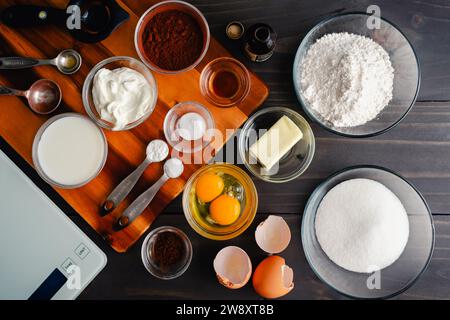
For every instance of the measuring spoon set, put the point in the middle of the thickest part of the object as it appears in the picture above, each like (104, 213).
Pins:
(97, 21)
(156, 151)
(44, 96)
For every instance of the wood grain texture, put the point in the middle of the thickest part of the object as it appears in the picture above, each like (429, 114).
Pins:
(199, 281)
(425, 23)
(125, 277)
(418, 148)
(126, 149)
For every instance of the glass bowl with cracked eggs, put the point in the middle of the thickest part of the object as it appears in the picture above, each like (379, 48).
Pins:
(220, 201)
(356, 75)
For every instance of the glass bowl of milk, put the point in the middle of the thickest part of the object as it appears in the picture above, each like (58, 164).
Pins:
(69, 150)
(119, 93)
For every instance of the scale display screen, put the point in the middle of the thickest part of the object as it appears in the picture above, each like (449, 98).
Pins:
(50, 286)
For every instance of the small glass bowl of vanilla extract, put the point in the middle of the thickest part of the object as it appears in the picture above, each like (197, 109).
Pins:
(225, 82)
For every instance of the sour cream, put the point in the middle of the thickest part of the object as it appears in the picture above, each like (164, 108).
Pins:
(121, 96)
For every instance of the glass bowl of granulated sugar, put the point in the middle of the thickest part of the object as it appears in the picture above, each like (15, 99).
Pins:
(367, 233)
(356, 75)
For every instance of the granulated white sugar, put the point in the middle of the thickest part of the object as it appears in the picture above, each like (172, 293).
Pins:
(362, 226)
(346, 78)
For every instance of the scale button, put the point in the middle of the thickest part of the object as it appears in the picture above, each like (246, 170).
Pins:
(82, 251)
(67, 264)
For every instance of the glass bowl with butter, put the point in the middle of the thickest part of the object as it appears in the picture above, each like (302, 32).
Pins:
(119, 93)
(276, 144)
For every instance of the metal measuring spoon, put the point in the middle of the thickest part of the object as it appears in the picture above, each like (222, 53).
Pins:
(44, 96)
(68, 62)
(173, 168)
(124, 188)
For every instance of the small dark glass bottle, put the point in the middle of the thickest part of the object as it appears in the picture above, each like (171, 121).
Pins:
(259, 42)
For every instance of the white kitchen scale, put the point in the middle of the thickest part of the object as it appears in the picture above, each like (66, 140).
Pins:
(43, 254)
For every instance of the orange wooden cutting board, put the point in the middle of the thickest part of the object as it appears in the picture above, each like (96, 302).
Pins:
(18, 125)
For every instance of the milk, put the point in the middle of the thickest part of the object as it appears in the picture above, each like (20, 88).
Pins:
(71, 150)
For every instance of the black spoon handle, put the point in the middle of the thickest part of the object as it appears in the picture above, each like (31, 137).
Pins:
(17, 62)
(29, 15)
(5, 91)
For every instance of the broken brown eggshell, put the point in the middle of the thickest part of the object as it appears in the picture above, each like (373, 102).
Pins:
(273, 278)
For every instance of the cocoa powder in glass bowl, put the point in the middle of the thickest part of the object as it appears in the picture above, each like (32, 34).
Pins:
(172, 37)
(168, 249)
(173, 40)
(166, 252)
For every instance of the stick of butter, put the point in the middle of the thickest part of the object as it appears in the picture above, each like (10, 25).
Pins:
(276, 142)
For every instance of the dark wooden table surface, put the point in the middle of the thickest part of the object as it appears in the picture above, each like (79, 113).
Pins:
(418, 148)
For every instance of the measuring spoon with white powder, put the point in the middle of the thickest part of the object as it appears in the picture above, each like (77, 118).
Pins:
(173, 168)
(157, 150)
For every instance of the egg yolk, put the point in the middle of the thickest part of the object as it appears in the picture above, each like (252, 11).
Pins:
(209, 186)
(225, 210)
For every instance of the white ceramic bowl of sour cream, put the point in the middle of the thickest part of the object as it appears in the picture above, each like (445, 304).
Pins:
(95, 87)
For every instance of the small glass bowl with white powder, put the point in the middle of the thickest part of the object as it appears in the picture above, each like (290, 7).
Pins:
(367, 232)
(354, 77)
(120, 93)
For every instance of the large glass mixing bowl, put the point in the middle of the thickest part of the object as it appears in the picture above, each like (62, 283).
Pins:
(403, 59)
(395, 278)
